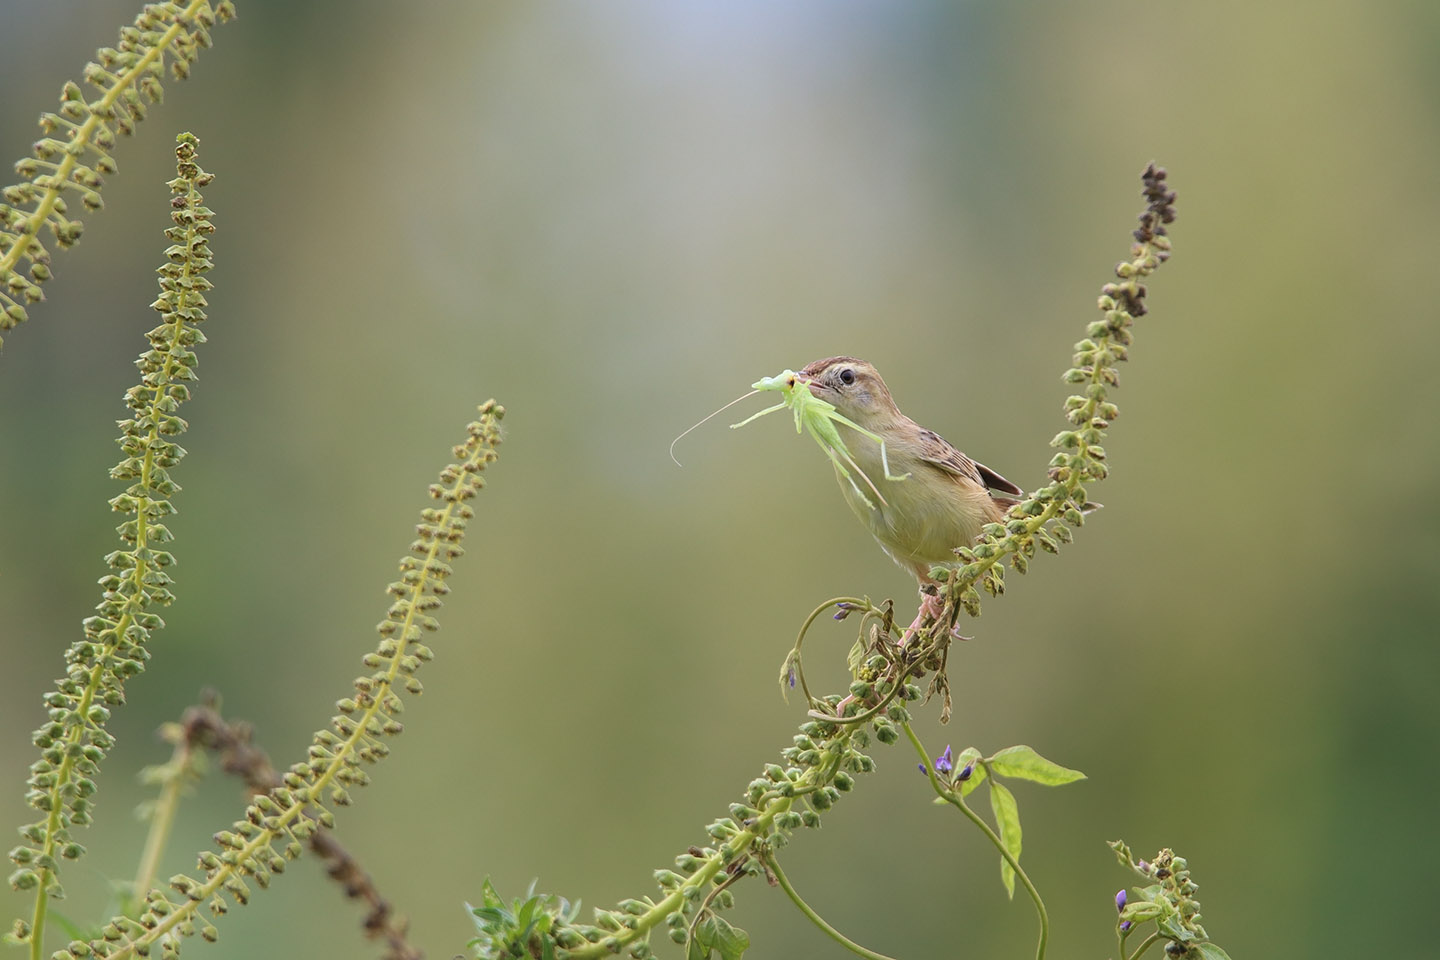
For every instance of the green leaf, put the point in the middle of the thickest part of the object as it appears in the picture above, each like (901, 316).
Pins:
(1170, 926)
(525, 915)
(490, 914)
(1007, 818)
(1211, 952)
(1024, 763)
(730, 941)
(787, 674)
(855, 659)
(703, 941)
(1142, 910)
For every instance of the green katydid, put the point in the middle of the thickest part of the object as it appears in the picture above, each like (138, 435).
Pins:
(819, 418)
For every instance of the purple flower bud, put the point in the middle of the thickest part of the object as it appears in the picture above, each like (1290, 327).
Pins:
(792, 677)
(845, 610)
(1144, 867)
(1125, 926)
(945, 762)
(1120, 899)
(923, 768)
(965, 772)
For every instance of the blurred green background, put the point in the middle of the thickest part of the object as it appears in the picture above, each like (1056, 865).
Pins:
(615, 217)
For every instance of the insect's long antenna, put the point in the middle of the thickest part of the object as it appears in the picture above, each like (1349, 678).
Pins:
(702, 423)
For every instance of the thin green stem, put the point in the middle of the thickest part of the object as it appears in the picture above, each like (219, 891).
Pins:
(953, 798)
(1146, 944)
(793, 661)
(815, 918)
(705, 905)
(162, 819)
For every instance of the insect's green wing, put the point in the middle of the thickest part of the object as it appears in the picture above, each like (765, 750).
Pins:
(816, 415)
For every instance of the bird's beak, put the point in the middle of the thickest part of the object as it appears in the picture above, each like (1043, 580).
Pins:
(816, 388)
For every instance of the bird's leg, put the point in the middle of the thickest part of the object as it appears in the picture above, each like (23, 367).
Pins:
(931, 607)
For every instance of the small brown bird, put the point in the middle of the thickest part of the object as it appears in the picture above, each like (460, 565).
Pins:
(945, 500)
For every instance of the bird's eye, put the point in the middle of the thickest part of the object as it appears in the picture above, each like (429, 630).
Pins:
(847, 376)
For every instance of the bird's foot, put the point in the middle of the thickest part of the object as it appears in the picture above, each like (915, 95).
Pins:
(931, 607)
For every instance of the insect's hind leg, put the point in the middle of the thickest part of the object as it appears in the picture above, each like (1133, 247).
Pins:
(885, 464)
(757, 416)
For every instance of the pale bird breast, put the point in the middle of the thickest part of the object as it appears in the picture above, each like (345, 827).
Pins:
(925, 517)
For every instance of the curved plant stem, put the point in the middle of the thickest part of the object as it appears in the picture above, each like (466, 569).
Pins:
(792, 662)
(1146, 944)
(705, 904)
(815, 918)
(874, 711)
(953, 798)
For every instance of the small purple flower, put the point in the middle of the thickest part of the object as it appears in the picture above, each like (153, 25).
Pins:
(965, 772)
(1125, 926)
(792, 676)
(943, 763)
(845, 610)
(1120, 899)
(1144, 867)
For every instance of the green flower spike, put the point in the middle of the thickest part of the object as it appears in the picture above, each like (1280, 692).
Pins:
(73, 741)
(277, 825)
(74, 154)
(1044, 520)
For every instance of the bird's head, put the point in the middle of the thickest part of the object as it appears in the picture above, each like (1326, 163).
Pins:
(854, 387)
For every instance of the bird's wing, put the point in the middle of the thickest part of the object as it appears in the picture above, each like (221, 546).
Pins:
(938, 451)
